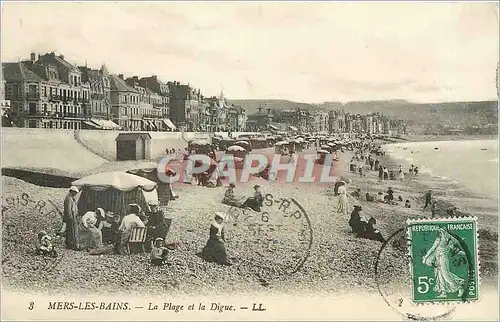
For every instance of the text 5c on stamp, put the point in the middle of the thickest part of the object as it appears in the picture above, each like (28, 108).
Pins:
(444, 263)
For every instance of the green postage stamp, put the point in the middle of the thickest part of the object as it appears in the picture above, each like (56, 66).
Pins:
(444, 263)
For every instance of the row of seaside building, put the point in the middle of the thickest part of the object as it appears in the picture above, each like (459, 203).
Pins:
(47, 91)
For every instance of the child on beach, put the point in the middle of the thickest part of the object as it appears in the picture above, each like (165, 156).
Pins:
(158, 253)
(380, 197)
(407, 203)
(411, 169)
(45, 246)
(401, 175)
(415, 171)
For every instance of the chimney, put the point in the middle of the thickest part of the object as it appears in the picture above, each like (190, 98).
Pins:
(135, 78)
(32, 57)
(120, 75)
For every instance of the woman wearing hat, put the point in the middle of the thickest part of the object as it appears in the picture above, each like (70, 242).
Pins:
(229, 197)
(90, 236)
(215, 249)
(255, 202)
(69, 219)
(343, 203)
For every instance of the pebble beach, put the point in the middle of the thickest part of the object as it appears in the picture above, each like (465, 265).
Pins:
(335, 260)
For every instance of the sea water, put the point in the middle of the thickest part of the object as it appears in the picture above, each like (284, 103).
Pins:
(472, 164)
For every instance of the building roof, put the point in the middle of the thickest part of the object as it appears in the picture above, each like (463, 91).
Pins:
(52, 57)
(118, 84)
(18, 72)
(133, 136)
(66, 64)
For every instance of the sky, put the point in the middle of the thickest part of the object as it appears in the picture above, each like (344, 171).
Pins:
(304, 52)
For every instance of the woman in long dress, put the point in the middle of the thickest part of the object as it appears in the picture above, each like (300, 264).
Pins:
(215, 249)
(89, 233)
(437, 256)
(343, 203)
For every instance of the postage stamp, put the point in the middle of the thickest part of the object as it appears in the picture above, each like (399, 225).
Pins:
(444, 262)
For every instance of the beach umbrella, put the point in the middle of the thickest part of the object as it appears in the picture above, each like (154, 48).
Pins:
(117, 180)
(236, 148)
(200, 142)
(323, 151)
(244, 144)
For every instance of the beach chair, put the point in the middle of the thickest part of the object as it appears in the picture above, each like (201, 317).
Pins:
(137, 237)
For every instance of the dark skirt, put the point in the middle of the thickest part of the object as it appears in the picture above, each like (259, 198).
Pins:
(252, 203)
(215, 251)
(72, 234)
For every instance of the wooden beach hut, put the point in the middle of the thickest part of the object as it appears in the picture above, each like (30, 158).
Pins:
(133, 146)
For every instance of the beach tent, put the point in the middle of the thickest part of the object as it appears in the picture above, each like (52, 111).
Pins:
(244, 144)
(113, 191)
(236, 150)
(164, 189)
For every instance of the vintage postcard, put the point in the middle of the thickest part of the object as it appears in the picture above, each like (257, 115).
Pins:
(262, 161)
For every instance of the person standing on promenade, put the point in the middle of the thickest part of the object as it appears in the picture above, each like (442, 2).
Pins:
(69, 219)
(428, 199)
(376, 165)
(380, 173)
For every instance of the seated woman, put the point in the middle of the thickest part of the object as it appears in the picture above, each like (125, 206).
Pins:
(89, 232)
(355, 221)
(110, 228)
(229, 198)
(372, 233)
(407, 203)
(356, 193)
(392, 176)
(400, 198)
(215, 248)
(255, 202)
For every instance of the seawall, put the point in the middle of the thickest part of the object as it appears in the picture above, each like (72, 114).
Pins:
(77, 151)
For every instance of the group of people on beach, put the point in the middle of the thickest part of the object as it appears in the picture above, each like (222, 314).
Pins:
(103, 232)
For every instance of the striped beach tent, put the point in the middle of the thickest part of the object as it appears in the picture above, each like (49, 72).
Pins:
(113, 191)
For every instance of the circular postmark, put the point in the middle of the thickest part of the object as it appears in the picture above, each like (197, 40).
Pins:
(273, 242)
(22, 218)
(396, 282)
